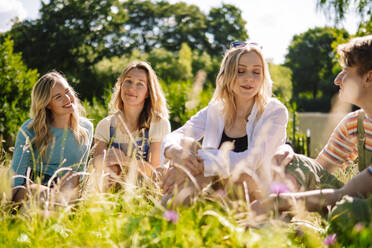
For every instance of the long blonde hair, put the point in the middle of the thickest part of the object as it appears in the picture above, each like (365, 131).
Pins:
(227, 78)
(43, 117)
(155, 106)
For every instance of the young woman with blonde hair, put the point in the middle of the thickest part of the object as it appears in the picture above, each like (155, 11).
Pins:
(243, 112)
(138, 124)
(57, 135)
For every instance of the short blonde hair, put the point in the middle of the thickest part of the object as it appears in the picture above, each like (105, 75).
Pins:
(155, 106)
(42, 117)
(227, 77)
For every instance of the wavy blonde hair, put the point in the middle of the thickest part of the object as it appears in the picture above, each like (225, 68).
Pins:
(155, 106)
(43, 117)
(227, 78)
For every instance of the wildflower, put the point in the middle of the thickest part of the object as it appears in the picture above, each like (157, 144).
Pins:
(277, 188)
(330, 240)
(221, 193)
(171, 216)
(359, 227)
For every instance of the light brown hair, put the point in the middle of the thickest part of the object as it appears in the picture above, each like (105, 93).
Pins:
(154, 107)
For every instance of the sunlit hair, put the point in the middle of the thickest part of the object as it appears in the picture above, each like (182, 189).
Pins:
(43, 117)
(357, 52)
(155, 106)
(227, 78)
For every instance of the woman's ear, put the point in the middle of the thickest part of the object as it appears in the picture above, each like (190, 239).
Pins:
(367, 79)
(369, 76)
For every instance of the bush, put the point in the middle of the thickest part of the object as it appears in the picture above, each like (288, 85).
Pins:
(16, 82)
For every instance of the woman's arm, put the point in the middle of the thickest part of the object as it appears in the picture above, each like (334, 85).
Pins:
(99, 147)
(317, 200)
(178, 145)
(22, 156)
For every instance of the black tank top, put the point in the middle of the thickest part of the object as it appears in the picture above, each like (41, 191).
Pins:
(240, 144)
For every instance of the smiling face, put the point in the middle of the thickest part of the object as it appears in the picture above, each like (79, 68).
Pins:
(351, 85)
(63, 100)
(134, 88)
(249, 76)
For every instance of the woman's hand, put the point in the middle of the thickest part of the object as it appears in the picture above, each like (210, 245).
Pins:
(186, 156)
(283, 155)
(115, 156)
(173, 176)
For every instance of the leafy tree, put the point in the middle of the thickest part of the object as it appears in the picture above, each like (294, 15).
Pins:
(71, 36)
(185, 62)
(164, 25)
(282, 78)
(74, 36)
(312, 59)
(365, 28)
(225, 25)
(339, 8)
(16, 82)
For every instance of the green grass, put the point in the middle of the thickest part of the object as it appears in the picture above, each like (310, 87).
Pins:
(134, 217)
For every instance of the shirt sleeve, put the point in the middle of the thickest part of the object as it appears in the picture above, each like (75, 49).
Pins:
(340, 146)
(103, 130)
(158, 130)
(194, 128)
(267, 135)
(22, 157)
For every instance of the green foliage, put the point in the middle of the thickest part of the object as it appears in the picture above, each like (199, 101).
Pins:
(282, 78)
(185, 62)
(365, 28)
(169, 66)
(338, 8)
(184, 101)
(74, 36)
(312, 59)
(227, 25)
(16, 82)
(96, 110)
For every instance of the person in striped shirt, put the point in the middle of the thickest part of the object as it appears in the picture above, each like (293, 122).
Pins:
(350, 142)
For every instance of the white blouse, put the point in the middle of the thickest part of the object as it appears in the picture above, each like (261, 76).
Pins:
(264, 134)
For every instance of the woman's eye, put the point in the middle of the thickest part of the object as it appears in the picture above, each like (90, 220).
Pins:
(241, 71)
(257, 72)
(58, 97)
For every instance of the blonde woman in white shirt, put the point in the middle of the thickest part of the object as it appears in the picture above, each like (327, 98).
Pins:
(138, 124)
(242, 111)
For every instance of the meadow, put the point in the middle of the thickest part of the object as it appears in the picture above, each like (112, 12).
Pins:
(134, 215)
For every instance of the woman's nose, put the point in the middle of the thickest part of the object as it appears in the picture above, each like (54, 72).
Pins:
(66, 98)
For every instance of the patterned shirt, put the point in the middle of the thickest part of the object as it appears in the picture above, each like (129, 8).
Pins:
(342, 146)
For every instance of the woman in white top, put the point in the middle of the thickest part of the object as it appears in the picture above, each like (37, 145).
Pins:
(242, 111)
(138, 124)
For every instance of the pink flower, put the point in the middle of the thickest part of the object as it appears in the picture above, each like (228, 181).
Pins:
(278, 187)
(171, 216)
(359, 227)
(330, 240)
(221, 193)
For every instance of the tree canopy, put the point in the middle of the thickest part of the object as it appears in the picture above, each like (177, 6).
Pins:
(312, 59)
(16, 81)
(73, 36)
(338, 8)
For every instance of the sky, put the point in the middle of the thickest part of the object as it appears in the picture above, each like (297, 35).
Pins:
(271, 23)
